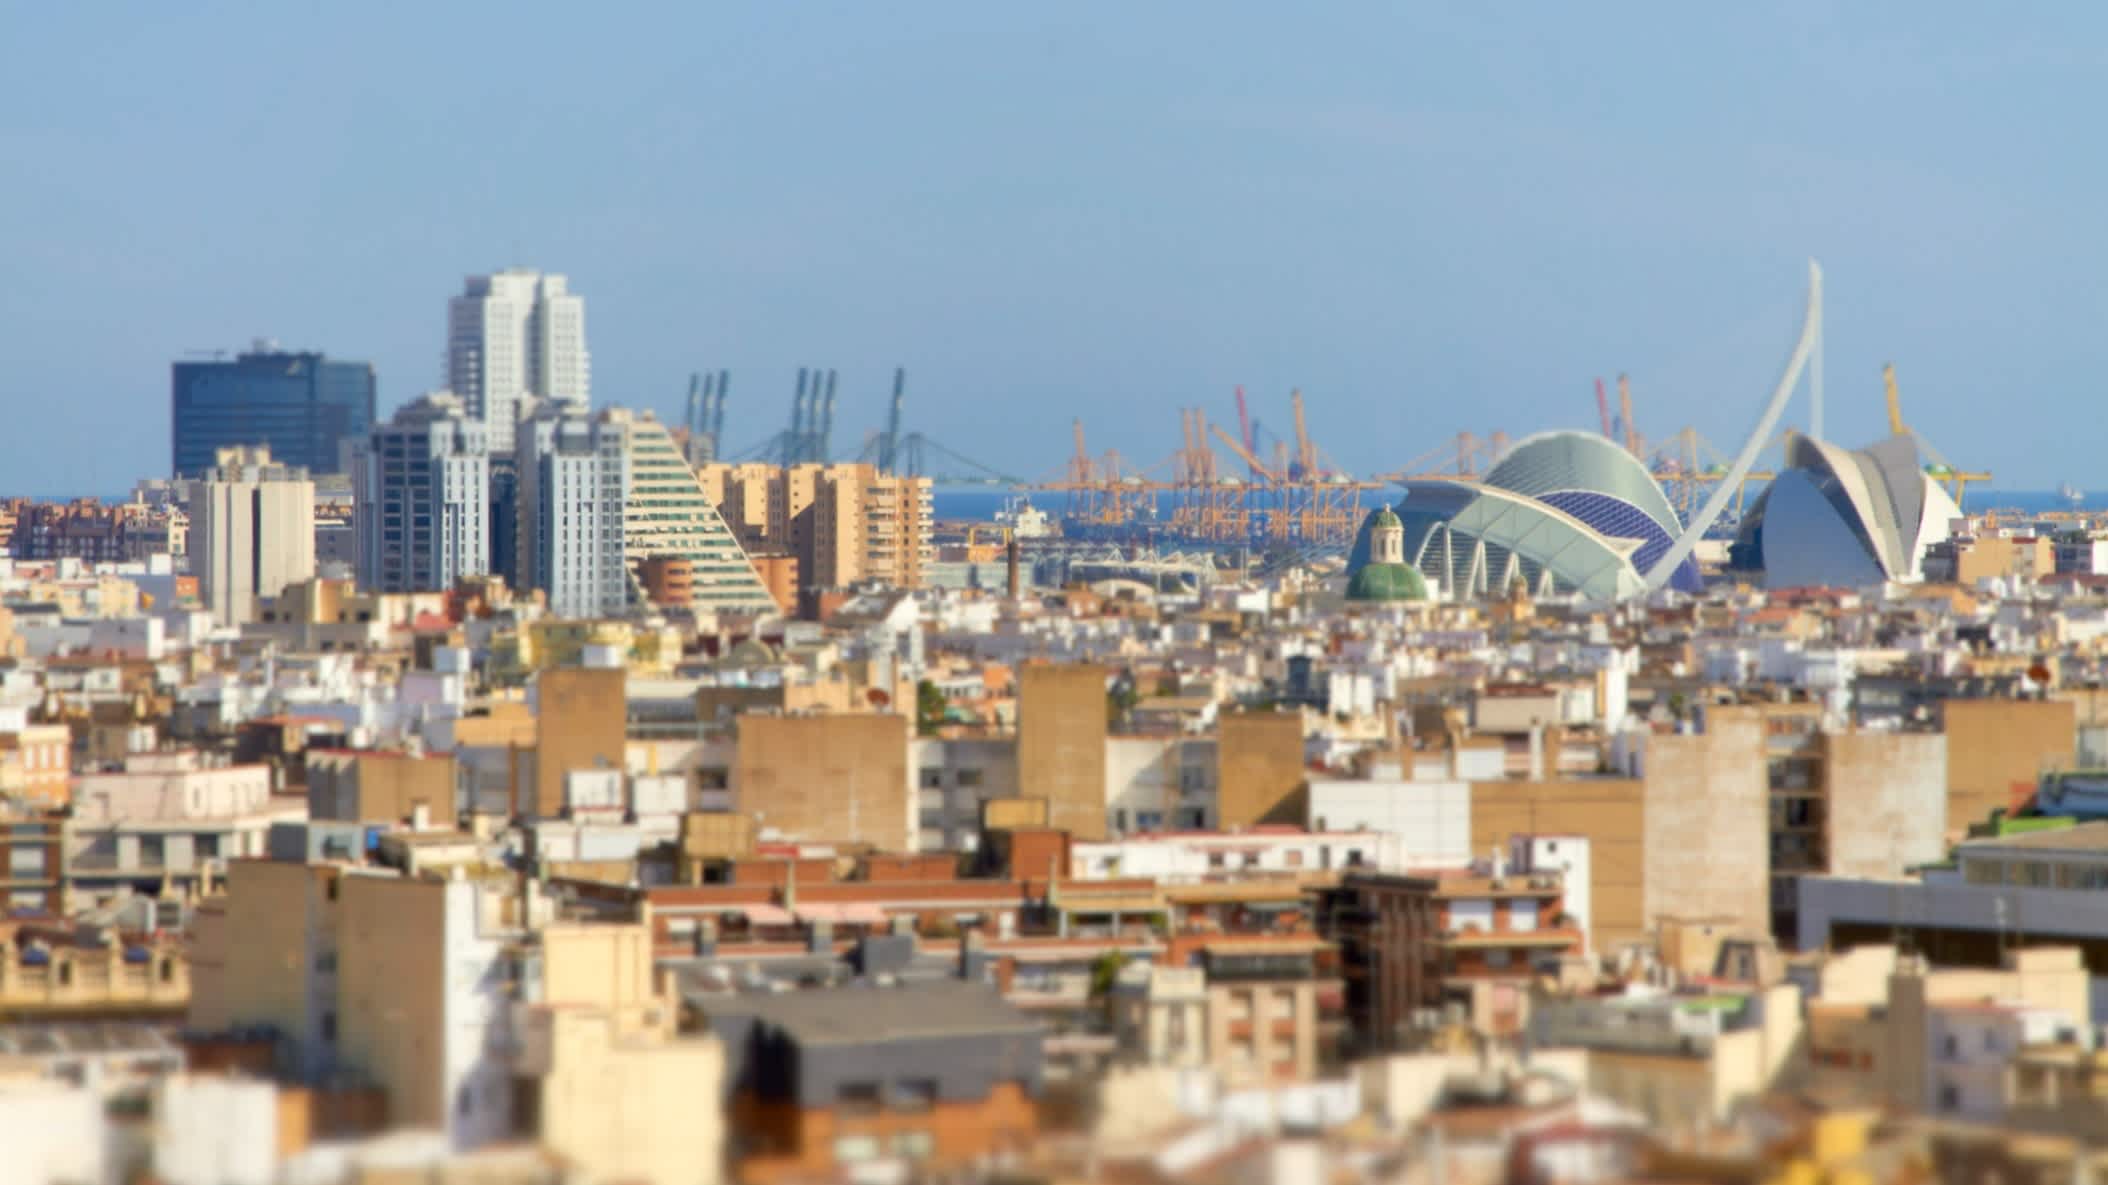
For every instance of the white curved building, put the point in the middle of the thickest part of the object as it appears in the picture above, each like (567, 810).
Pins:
(1560, 511)
(1844, 518)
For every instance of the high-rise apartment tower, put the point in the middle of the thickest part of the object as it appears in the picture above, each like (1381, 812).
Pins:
(513, 334)
(422, 487)
(255, 523)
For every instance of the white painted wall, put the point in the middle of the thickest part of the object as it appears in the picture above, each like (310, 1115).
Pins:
(1430, 820)
(51, 1133)
(215, 1131)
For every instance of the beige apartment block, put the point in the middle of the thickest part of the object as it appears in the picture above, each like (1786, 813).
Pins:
(1885, 802)
(618, 1095)
(1996, 745)
(1870, 1029)
(581, 723)
(256, 528)
(1708, 822)
(382, 788)
(264, 953)
(1611, 813)
(828, 778)
(840, 523)
(1261, 777)
(1061, 737)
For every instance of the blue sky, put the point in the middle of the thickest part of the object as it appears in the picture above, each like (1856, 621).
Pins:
(1430, 218)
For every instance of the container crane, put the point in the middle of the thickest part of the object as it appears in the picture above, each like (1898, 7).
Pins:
(1306, 452)
(1603, 410)
(1244, 423)
(1258, 467)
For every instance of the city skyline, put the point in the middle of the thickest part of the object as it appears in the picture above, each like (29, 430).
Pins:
(1447, 221)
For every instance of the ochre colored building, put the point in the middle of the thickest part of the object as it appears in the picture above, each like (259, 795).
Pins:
(1061, 731)
(582, 724)
(828, 778)
(1261, 778)
(1995, 744)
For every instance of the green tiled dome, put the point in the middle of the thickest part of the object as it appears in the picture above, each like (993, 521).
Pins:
(1387, 582)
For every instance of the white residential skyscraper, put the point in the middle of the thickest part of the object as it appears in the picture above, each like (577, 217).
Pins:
(573, 487)
(513, 334)
(601, 494)
(422, 487)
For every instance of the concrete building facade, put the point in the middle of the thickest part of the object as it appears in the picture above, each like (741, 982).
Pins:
(514, 334)
(572, 487)
(841, 523)
(1061, 736)
(422, 486)
(1707, 820)
(1261, 777)
(829, 778)
(255, 522)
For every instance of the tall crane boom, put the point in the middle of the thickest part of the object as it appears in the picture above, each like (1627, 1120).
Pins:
(1244, 454)
(1244, 423)
(1895, 402)
(889, 445)
(1603, 409)
(1306, 453)
(1080, 464)
(1632, 432)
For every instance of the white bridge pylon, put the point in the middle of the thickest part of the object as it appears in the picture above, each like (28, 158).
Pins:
(1806, 346)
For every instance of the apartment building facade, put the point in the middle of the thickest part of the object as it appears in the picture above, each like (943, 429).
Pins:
(256, 531)
(422, 487)
(843, 524)
(1415, 949)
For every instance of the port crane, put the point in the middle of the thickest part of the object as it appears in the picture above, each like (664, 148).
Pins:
(1939, 467)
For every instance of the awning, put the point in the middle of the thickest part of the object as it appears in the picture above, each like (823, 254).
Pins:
(766, 915)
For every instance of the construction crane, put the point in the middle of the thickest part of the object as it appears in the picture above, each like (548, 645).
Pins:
(1941, 469)
(1603, 410)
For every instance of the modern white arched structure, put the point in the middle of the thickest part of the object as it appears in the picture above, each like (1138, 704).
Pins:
(1809, 342)
(1844, 517)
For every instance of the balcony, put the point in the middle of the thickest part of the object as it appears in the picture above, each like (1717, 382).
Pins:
(1480, 887)
(1548, 939)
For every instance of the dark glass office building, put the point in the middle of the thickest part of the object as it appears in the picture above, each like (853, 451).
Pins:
(299, 404)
